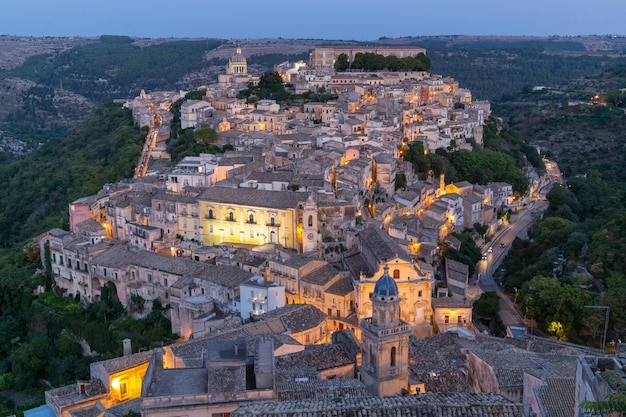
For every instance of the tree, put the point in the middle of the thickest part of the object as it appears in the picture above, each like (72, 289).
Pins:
(205, 136)
(342, 63)
(487, 305)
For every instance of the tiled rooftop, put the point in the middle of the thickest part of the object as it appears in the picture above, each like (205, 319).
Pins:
(124, 362)
(297, 317)
(320, 388)
(423, 405)
(342, 287)
(557, 399)
(120, 256)
(320, 357)
(381, 244)
(321, 276)
(253, 197)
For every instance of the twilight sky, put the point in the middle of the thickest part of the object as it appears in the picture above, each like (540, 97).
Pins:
(321, 19)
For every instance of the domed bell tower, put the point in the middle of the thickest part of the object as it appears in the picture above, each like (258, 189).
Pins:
(385, 341)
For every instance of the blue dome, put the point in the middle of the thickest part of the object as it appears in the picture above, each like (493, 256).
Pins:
(386, 286)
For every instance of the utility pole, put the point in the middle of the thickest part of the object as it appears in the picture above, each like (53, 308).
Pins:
(606, 322)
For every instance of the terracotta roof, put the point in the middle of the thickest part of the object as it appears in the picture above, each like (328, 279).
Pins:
(557, 398)
(343, 286)
(321, 276)
(320, 388)
(320, 357)
(297, 317)
(120, 256)
(423, 405)
(124, 362)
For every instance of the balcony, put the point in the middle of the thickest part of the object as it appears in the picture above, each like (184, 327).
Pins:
(258, 300)
(272, 224)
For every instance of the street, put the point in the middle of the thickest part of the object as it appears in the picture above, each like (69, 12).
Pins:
(501, 244)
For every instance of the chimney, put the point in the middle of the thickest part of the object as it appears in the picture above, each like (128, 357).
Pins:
(127, 347)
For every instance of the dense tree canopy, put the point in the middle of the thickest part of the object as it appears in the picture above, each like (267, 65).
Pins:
(369, 61)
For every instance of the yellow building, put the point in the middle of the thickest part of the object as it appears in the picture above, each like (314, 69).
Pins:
(250, 216)
(377, 252)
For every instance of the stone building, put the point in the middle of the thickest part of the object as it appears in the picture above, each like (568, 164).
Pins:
(385, 342)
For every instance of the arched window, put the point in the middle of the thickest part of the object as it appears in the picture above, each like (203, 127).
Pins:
(251, 218)
(210, 215)
(231, 216)
(396, 273)
(310, 220)
(393, 356)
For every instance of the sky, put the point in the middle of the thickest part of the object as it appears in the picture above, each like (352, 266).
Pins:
(319, 19)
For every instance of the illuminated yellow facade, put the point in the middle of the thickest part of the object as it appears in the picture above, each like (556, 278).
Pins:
(126, 385)
(414, 286)
(249, 216)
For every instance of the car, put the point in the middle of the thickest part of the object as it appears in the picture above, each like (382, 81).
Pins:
(485, 255)
(502, 245)
(490, 250)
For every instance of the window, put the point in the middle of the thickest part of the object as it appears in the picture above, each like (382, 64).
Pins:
(210, 214)
(396, 273)
(78, 265)
(54, 257)
(69, 263)
(419, 293)
(393, 356)
(446, 319)
(165, 282)
(132, 275)
(272, 221)
(231, 216)
(61, 260)
(123, 390)
(86, 268)
(210, 228)
(310, 222)
(371, 356)
(459, 320)
(105, 272)
(150, 278)
(251, 218)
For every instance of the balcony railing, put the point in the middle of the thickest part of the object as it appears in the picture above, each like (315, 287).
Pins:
(272, 224)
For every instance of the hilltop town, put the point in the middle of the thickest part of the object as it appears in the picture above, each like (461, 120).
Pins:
(304, 269)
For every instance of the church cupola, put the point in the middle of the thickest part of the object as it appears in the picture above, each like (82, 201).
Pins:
(386, 301)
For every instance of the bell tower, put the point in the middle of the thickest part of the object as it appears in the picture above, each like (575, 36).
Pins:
(309, 225)
(385, 341)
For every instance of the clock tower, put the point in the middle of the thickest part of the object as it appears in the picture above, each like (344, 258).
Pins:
(310, 230)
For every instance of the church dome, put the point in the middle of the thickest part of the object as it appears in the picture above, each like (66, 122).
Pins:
(386, 286)
(238, 57)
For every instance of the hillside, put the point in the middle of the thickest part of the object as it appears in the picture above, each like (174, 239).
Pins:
(576, 255)
(49, 84)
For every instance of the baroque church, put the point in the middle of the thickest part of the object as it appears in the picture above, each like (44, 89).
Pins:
(236, 71)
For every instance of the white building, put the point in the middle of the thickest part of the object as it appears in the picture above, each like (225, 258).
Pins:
(258, 296)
